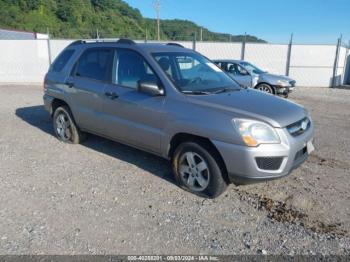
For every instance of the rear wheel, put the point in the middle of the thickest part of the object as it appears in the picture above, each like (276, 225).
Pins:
(198, 171)
(265, 88)
(65, 127)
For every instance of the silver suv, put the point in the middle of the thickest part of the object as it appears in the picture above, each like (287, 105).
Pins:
(175, 103)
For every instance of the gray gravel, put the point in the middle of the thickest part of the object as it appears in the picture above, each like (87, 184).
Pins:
(102, 197)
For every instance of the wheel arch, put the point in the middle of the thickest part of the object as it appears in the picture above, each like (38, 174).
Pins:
(179, 138)
(56, 102)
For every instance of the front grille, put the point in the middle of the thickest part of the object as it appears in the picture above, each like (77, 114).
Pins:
(269, 163)
(299, 127)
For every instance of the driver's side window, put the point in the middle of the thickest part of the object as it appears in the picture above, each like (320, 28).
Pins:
(232, 68)
(236, 69)
(242, 71)
(131, 68)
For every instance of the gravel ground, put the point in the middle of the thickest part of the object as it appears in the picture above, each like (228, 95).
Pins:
(102, 197)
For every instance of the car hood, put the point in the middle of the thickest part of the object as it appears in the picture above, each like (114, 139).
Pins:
(253, 104)
(273, 78)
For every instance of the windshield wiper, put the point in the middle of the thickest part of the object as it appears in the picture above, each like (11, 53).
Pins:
(224, 90)
(196, 92)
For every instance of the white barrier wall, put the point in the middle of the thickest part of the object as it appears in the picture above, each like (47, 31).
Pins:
(219, 50)
(23, 60)
(27, 61)
(270, 57)
(312, 65)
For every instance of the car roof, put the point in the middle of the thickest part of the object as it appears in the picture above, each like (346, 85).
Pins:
(228, 60)
(125, 43)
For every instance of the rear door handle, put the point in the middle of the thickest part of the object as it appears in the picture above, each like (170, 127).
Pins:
(111, 95)
(70, 84)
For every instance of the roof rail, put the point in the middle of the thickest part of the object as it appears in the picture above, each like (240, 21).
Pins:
(78, 42)
(175, 44)
(119, 41)
(125, 41)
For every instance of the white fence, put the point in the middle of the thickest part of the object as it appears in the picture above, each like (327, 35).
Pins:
(26, 61)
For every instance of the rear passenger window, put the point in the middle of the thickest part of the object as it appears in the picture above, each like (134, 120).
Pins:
(62, 60)
(95, 64)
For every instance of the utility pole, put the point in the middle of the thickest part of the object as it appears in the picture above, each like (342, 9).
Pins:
(201, 34)
(157, 8)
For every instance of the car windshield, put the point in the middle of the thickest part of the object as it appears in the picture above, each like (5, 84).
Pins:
(252, 68)
(194, 74)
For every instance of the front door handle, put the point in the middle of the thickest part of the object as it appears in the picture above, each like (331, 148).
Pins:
(111, 95)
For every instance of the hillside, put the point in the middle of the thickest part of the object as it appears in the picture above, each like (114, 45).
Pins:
(82, 18)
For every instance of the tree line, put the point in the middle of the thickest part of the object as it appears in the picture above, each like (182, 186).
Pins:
(107, 18)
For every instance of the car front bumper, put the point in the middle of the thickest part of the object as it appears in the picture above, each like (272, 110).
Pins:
(285, 89)
(242, 161)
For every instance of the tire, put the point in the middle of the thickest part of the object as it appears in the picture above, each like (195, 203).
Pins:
(286, 95)
(266, 88)
(202, 175)
(65, 127)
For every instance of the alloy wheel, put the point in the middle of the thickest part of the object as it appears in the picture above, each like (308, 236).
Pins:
(194, 171)
(63, 127)
(265, 88)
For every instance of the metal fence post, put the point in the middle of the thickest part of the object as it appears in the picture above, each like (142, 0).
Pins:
(194, 41)
(49, 50)
(345, 69)
(335, 65)
(289, 53)
(243, 46)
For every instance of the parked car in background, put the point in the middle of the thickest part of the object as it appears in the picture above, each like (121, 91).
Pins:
(249, 75)
(175, 103)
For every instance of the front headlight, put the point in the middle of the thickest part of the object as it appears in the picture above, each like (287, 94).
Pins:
(255, 133)
(283, 83)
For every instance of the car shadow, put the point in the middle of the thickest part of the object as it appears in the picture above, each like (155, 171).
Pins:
(38, 117)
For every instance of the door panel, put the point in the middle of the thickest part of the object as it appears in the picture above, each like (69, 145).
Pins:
(87, 85)
(134, 117)
(86, 102)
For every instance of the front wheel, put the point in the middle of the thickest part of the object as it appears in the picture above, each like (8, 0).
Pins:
(266, 88)
(198, 171)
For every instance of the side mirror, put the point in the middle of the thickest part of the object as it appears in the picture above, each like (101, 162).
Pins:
(150, 88)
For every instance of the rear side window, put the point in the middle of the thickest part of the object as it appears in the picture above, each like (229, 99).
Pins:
(62, 60)
(95, 64)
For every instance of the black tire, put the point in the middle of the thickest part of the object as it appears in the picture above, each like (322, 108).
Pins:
(286, 95)
(216, 183)
(73, 135)
(266, 88)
